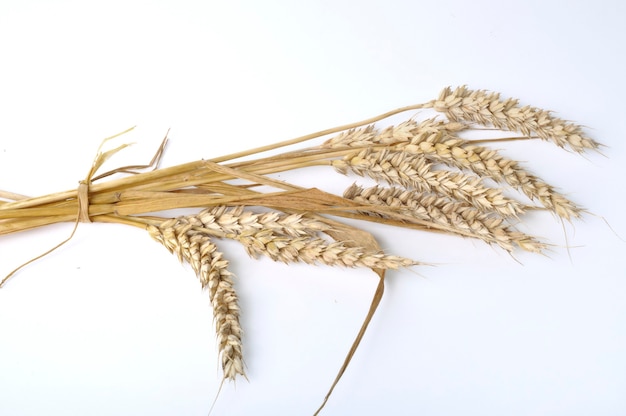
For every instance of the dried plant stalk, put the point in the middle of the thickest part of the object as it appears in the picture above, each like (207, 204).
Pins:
(429, 178)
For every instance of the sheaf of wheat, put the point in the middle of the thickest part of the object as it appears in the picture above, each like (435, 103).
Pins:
(428, 173)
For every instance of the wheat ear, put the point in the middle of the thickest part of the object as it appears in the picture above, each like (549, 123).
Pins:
(485, 162)
(454, 215)
(488, 109)
(180, 238)
(291, 238)
(413, 171)
(403, 133)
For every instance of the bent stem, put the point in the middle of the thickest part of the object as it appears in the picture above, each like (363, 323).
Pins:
(378, 295)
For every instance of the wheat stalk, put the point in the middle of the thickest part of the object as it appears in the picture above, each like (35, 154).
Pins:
(438, 181)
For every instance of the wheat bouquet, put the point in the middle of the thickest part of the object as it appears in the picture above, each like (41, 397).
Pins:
(430, 173)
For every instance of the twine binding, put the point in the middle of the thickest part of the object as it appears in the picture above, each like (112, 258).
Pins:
(83, 201)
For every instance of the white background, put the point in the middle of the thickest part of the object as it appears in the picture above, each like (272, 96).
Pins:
(111, 324)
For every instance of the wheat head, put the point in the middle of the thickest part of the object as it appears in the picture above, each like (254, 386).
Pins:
(196, 248)
(488, 109)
